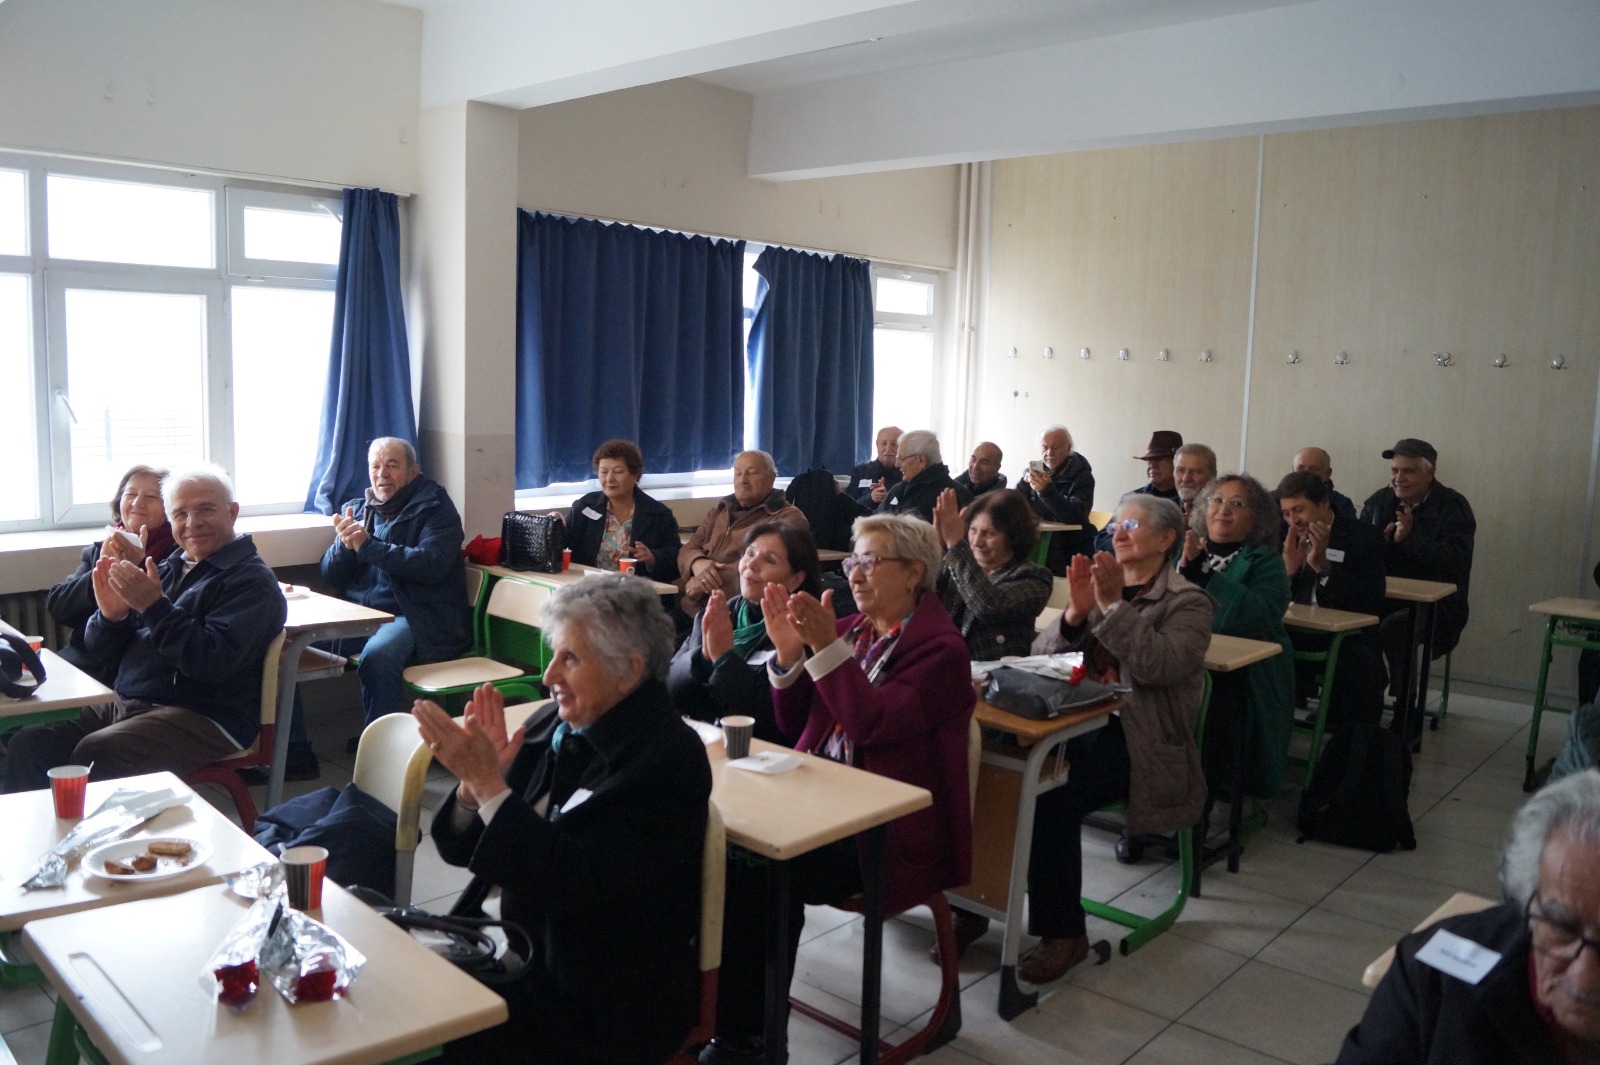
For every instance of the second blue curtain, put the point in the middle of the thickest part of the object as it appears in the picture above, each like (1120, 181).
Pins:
(626, 332)
(810, 359)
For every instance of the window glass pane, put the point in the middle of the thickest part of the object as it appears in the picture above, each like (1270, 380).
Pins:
(13, 212)
(902, 391)
(135, 380)
(292, 236)
(904, 297)
(120, 222)
(20, 502)
(280, 371)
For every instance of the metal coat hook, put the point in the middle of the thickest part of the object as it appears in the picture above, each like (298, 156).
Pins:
(1083, 353)
(1500, 361)
(1342, 359)
(1558, 363)
(1294, 358)
(1163, 355)
(1049, 352)
(1205, 356)
(1442, 358)
(1012, 353)
(1122, 354)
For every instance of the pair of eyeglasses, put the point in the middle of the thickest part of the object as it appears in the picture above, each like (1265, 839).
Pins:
(866, 563)
(1555, 938)
(1125, 525)
(1236, 504)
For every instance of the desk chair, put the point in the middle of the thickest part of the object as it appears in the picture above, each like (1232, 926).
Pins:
(1145, 929)
(1319, 722)
(225, 771)
(514, 650)
(1098, 518)
(945, 1021)
(1060, 596)
(713, 884)
(392, 766)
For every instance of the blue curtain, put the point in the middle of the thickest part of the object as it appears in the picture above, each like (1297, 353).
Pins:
(369, 364)
(626, 332)
(810, 356)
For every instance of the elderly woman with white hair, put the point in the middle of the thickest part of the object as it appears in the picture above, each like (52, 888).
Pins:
(889, 691)
(924, 476)
(1524, 987)
(590, 818)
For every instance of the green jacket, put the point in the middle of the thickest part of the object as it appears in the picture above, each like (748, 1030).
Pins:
(1252, 595)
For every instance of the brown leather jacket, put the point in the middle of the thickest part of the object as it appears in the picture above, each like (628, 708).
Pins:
(1159, 640)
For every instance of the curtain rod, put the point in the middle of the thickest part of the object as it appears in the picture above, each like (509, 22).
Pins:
(747, 240)
(237, 175)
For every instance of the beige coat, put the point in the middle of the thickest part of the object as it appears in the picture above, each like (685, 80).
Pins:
(720, 538)
(1160, 641)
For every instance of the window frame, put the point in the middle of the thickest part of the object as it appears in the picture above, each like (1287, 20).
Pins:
(50, 278)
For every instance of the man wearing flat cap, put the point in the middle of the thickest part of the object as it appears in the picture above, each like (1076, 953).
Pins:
(1428, 531)
(1157, 459)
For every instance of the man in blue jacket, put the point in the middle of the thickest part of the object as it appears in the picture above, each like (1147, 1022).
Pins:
(398, 549)
(185, 640)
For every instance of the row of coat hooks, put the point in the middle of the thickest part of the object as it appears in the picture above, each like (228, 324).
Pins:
(1440, 358)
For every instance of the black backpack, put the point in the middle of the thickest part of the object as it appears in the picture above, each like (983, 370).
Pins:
(1358, 793)
(829, 511)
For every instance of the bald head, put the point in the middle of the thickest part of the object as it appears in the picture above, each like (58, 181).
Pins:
(1314, 460)
(984, 465)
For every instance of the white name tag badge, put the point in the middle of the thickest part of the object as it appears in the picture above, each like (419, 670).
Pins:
(895, 502)
(761, 658)
(576, 799)
(1458, 957)
(865, 482)
(589, 512)
(1334, 554)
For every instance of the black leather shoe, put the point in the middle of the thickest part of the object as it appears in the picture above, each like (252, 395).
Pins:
(733, 1050)
(1129, 850)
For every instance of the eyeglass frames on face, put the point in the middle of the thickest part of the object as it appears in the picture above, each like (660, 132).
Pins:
(866, 563)
(1125, 525)
(1235, 504)
(1556, 938)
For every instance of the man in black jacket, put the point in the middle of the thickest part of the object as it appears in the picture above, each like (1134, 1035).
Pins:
(923, 476)
(1428, 531)
(865, 487)
(983, 470)
(1523, 986)
(186, 642)
(1336, 562)
(1060, 487)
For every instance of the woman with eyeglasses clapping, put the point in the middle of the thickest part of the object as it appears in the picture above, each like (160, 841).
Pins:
(888, 690)
(1232, 550)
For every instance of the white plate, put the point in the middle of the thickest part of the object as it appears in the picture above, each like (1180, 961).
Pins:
(95, 861)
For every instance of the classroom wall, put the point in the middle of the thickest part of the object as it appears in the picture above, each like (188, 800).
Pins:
(318, 90)
(1390, 243)
(674, 154)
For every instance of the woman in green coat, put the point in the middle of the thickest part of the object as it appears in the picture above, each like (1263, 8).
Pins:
(1232, 552)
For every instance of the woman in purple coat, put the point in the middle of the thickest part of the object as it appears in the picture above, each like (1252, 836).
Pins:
(889, 691)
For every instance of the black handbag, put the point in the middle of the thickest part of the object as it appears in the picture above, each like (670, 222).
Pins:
(532, 541)
(464, 942)
(1040, 698)
(21, 672)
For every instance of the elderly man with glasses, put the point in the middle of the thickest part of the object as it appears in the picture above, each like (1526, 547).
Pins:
(1515, 984)
(923, 477)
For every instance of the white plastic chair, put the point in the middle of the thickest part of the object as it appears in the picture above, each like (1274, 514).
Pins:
(392, 766)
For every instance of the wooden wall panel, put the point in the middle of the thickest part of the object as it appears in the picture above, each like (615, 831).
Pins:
(1473, 236)
(1141, 249)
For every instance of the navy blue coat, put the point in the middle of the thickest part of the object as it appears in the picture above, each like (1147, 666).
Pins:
(653, 524)
(421, 553)
(200, 646)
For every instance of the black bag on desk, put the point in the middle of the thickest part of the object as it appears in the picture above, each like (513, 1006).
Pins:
(1037, 698)
(1358, 793)
(18, 661)
(532, 541)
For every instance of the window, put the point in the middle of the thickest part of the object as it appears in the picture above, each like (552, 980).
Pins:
(159, 318)
(904, 303)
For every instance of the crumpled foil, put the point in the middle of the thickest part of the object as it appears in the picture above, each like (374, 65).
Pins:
(231, 974)
(300, 956)
(256, 882)
(122, 812)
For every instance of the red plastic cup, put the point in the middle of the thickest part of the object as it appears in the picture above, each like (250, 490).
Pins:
(302, 872)
(67, 783)
(626, 565)
(35, 642)
(566, 559)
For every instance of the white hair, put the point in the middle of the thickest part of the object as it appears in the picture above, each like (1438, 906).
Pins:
(205, 473)
(766, 461)
(404, 445)
(1570, 805)
(620, 616)
(911, 539)
(920, 442)
(1057, 426)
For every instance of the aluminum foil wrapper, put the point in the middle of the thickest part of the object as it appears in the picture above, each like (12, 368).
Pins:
(306, 960)
(256, 882)
(122, 812)
(231, 974)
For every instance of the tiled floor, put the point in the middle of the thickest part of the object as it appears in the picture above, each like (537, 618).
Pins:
(1265, 968)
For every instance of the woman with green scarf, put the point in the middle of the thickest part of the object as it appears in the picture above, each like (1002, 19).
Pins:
(721, 668)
